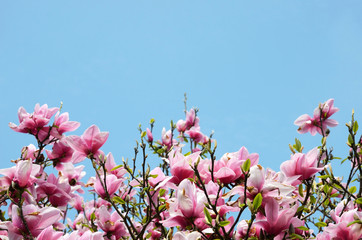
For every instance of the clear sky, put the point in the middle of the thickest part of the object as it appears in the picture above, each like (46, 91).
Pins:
(251, 67)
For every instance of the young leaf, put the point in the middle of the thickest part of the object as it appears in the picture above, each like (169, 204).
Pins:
(257, 202)
(246, 165)
(224, 223)
(118, 200)
(352, 189)
(355, 127)
(207, 216)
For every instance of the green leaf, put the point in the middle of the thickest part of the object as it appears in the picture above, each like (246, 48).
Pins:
(246, 165)
(161, 207)
(344, 160)
(359, 200)
(162, 192)
(303, 228)
(320, 224)
(325, 189)
(143, 134)
(312, 199)
(116, 167)
(118, 200)
(352, 189)
(297, 146)
(224, 223)
(323, 176)
(257, 202)
(207, 216)
(355, 127)
(355, 221)
(300, 190)
(350, 140)
(161, 150)
(93, 216)
(295, 236)
(301, 208)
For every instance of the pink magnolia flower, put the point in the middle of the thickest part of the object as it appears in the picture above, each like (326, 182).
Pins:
(181, 125)
(180, 165)
(112, 182)
(242, 229)
(166, 137)
(191, 119)
(24, 174)
(88, 144)
(196, 135)
(187, 236)
(276, 220)
(36, 218)
(58, 194)
(83, 235)
(49, 233)
(111, 164)
(73, 175)
(228, 168)
(187, 207)
(60, 154)
(340, 229)
(149, 135)
(303, 165)
(319, 120)
(32, 123)
(62, 124)
(111, 224)
(29, 152)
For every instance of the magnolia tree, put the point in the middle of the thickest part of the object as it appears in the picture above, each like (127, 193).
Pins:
(190, 195)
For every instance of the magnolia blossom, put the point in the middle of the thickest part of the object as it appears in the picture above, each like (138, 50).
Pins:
(112, 182)
(111, 224)
(302, 165)
(319, 120)
(276, 220)
(24, 174)
(31, 123)
(36, 218)
(88, 144)
(228, 169)
(60, 154)
(180, 165)
(188, 205)
(62, 124)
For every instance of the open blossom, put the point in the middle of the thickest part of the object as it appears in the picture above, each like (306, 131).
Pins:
(32, 123)
(227, 169)
(24, 174)
(60, 154)
(276, 220)
(319, 120)
(341, 229)
(88, 144)
(111, 224)
(188, 206)
(180, 165)
(302, 165)
(187, 236)
(58, 194)
(36, 218)
(113, 185)
(62, 124)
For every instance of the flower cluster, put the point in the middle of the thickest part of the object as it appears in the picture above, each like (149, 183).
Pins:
(190, 195)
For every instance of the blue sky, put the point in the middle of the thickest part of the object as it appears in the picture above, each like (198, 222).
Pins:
(251, 67)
